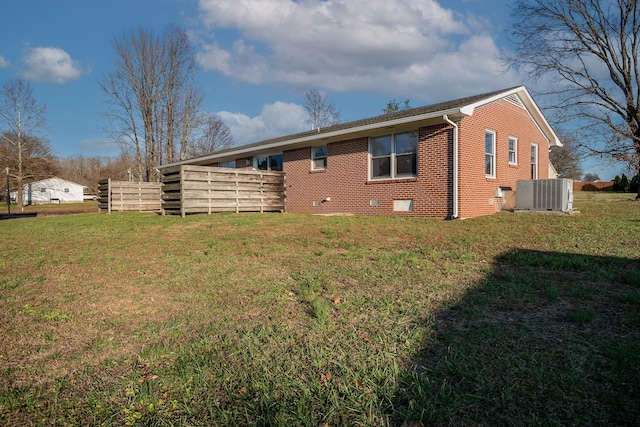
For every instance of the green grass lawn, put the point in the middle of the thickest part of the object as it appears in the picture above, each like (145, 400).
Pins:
(282, 319)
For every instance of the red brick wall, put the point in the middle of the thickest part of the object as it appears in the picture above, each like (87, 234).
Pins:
(476, 192)
(346, 183)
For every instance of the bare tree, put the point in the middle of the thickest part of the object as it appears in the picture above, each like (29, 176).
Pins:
(35, 163)
(152, 101)
(22, 119)
(214, 135)
(123, 122)
(321, 111)
(566, 159)
(89, 170)
(585, 53)
(180, 96)
(191, 119)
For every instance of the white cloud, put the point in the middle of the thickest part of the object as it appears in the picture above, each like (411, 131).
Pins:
(395, 47)
(241, 62)
(3, 62)
(50, 64)
(275, 120)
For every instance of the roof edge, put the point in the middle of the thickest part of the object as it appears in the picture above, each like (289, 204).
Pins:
(462, 106)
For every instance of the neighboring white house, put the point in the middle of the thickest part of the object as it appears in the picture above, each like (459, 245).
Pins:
(51, 190)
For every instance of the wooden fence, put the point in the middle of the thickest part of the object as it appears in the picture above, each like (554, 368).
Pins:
(202, 189)
(592, 186)
(118, 196)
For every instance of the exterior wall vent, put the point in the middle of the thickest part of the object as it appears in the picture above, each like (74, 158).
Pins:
(374, 202)
(515, 100)
(403, 205)
(545, 195)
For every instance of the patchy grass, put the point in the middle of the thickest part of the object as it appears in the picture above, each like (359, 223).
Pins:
(136, 319)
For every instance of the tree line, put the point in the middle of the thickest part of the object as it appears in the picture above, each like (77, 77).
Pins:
(625, 185)
(39, 163)
(26, 155)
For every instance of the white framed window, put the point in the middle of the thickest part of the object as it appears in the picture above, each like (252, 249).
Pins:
(534, 161)
(319, 158)
(490, 154)
(513, 150)
(394, 156)
(272, 162)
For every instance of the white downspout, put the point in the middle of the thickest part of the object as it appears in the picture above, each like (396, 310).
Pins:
(455, 166)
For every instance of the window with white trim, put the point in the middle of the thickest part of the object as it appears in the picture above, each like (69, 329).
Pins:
(319, 158)
(513, 150)
(490, 154)
(394, 156)
(534, 161)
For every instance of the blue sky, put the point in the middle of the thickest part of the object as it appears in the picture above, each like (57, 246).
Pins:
(258, 57)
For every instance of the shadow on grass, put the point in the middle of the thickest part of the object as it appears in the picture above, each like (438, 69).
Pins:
(548, 338)
(18, 215)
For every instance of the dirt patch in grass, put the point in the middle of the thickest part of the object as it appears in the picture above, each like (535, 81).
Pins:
(49, 210)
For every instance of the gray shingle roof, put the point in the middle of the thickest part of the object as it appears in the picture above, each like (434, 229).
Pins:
(419, 111)
(442, 106)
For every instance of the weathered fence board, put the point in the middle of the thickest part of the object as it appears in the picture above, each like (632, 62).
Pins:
(202, 189)
(118, 196)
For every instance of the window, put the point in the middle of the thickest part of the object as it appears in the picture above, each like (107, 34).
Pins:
(513, 150)
(490, 154)
(534, 161)
(380, 157)
(319, 158)
(394, 156)
(229, 164)
(271, 163)
(406, 150)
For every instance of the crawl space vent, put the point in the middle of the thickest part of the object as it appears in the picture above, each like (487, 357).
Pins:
(403, 205)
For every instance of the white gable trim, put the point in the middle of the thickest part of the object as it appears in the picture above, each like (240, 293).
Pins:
(530, 107)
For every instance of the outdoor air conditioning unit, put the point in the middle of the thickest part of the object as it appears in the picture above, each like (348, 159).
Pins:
(545, 195)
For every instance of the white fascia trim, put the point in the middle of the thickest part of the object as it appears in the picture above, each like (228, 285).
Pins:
(319, 136)
(531, 108)
(540, 121)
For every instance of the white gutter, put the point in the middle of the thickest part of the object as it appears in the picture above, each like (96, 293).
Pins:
(455, 166)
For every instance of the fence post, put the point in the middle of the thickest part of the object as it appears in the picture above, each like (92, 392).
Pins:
(182, 189)
(237, 193)
(109, 196)
(261, 193)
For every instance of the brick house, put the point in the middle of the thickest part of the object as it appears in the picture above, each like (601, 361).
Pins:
(456, 159)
